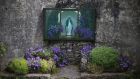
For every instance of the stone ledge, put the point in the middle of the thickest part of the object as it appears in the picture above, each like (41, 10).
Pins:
(28, 76)
(82, 76)
(105, 76)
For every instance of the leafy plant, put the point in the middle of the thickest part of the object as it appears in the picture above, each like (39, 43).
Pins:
(52, 66)
(93, 68)
(48, 54)
(18, 66)
(38, 52)
(106, 57)
(45, 55)
(33, 52)
(44, 66)
(3, 48)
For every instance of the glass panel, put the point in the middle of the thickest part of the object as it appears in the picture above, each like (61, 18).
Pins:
(69, 24)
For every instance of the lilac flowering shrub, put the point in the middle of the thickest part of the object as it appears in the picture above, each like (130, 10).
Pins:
(38, 52)
(33, 52)
(125, 63)
(84, 33)
(42, 60)
(34, 64)
(86, 49)
(59, 57)
(34, 56)
(54, 31)
(33, 59)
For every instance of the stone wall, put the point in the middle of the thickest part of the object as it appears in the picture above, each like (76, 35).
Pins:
(71, 50)
(21, 25)
(117, 25)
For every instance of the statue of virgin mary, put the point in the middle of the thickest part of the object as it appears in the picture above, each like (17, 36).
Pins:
(69, 27)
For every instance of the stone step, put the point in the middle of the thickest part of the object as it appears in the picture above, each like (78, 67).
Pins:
(104, 76)
(66, 75)
(28, 76)
(68, 72)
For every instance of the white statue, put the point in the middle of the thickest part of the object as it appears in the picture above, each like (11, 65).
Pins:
(69, 27)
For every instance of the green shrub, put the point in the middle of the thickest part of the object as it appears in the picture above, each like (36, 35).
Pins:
(52, 67)
(18, 66)
(48, 66)
(45, 54)
(3, 48)
(93, 68)
(48, 53)
(104, 56)
(44, 66)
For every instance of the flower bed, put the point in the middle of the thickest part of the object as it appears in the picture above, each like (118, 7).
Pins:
(38, 60)
(103, 59)
(93, 60)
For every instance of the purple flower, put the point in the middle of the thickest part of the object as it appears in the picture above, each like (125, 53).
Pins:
(36, 50)
(28, 55)
(38, 58)
(84, 32)
(61, 54)
(86, 49)
(56, 49)
(59, 57)
(54, 31)
(125, 63)
(56, 58)
(34, 63)
(65, 62)
(61, 65)
(33, 52)
(30, 49)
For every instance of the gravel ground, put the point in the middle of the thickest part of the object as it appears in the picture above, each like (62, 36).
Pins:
(68, 72)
